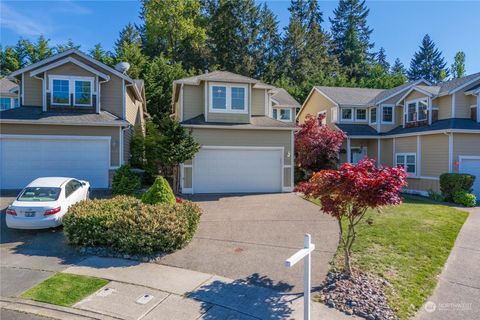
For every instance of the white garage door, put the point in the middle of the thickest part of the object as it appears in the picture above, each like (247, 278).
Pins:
(471, 165)
(23, 159)
(237, 170)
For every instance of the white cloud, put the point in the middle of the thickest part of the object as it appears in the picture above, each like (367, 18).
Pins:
(69, 6)
(20, 23)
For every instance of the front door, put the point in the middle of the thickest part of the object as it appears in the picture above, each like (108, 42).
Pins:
(357, 154)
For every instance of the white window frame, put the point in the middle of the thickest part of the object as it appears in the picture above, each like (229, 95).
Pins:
(405, 155)
(334, 115)
(351, 117)
(370, 115)
(366, 115)
(228, 102)
(393, 114)
(71, 89)
(417, 104)
(278, 114)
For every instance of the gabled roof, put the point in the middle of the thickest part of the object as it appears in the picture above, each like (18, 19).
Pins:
(390, 93)
(445, 124)
(7, 86)
(223, 76)
(357, 129)
(65, 54)
(453, 85)
(349, 96)
(284, 99)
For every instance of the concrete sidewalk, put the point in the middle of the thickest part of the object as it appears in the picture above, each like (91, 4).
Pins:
(457, 295)
(152, 291)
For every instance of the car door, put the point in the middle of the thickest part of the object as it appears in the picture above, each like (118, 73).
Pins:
(72, 192)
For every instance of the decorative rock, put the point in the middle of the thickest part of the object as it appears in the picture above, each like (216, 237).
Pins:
(330, 303)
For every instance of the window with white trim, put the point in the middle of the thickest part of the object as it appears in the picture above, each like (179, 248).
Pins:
(62, 88)
(346, 113)
(5, 103)
(361, 114)
(373, 115)
(408, 161)
(228, 98)
(417, 110)
(282, 114)
(387, 114)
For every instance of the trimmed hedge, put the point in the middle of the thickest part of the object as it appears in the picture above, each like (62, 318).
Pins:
(454, 182)
(126, 224)
(465, 198)
(125, 181)
(159, 192)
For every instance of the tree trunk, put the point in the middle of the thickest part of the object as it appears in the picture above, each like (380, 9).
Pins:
(176, 180)
(348, 265)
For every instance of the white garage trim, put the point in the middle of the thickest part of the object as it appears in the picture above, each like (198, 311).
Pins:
(55, 137)
(282, 165)
(476, 190)
(460, 158)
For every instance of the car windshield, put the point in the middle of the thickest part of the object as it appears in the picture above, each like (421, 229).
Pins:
(39, 194)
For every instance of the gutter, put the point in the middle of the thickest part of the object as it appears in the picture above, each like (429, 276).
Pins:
(92, 124)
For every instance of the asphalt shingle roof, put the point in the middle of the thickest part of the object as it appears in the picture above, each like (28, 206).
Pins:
(6, 86)
(256, 122)
(36, 114)
(284, 98)
(453, 123)
(350, 96)
(357, 129)
(431, 89)
(455, 83)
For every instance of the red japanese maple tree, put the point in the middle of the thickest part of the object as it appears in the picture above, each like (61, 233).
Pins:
(316, 145)
(348, 192)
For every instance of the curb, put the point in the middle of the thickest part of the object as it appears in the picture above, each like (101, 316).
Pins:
(50, 310)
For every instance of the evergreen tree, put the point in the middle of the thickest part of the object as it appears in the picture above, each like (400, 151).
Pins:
(67, 46)
(128, 48)
(398, 68)
(21, 52)
(381, 59)
(38, 51)
(458, 66)
(428, 63)
(129, 34)
(351, 37)
(8, 61)
(98, 53)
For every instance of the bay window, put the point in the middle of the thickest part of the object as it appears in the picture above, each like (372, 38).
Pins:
(387, 114)
(361, 114)
(63, 88)
(408, 161)
(373, 115)
(228, 98)
(417, 110)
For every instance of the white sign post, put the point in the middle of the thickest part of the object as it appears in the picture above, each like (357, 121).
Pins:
(308, 247)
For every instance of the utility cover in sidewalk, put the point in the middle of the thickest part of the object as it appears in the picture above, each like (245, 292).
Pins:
(124, 301)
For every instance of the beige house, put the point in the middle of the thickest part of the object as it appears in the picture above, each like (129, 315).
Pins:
(75, 119)
(245, 129)
(428, 129)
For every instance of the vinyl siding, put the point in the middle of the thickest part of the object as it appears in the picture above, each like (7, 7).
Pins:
(465, 144)
(315, 104)
(406, 145)
(444, 105)
(397, 121)
(462, 105)
(133, 108)
(386, 158)
(33, 91)
(33, 129)
(258, 102)
(424, 185)
(415, 95)
(434, 157)
(111, 97)
(193, 101)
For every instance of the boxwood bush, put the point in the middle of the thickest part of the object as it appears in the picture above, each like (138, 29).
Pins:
(125, 181)
(454, 182)
(465, 198)
(126, 224)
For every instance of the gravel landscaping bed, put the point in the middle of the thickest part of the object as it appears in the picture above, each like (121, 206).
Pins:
(360, 294)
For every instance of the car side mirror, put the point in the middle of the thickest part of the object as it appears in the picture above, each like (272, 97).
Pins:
(83, 184)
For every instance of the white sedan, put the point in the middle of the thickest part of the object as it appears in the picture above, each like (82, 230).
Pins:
(44, 202)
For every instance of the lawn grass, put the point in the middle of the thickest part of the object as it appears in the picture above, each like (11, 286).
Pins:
(64, 289)
(408, 246)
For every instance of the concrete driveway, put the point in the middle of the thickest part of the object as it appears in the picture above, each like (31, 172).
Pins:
(249, 237)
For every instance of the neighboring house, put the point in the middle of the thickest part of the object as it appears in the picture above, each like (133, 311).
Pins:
(243, 148)
(8, 94)
(75, 119)
(428, 129)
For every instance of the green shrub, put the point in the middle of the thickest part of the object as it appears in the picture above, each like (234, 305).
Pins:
(453, 182)
(159, 192)
(126, 224)
(125, 182)
(435, 196)
(465, 198)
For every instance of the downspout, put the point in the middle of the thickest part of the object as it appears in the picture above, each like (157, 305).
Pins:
(99, 100)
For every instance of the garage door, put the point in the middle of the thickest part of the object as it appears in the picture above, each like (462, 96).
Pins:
(237, 170)
(471, 165)
(23, 159)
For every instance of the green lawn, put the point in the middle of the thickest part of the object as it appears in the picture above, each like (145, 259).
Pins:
(64, 289)
(408, 246)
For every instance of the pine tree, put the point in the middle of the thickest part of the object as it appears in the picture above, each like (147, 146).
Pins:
(428, 63)
(38, 51)
(398, 68)
(351, 37)
(128, 48)
(458, 66)
(8, 61)
(381, 59)
(67, 46)
(98, 53)
(129, 34)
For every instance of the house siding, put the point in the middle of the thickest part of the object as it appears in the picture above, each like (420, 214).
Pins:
(34, 129)
(434, 157)
(423, 185)
(386, 158)
(406, 144)
(69, 69)
(315, 104)
(193, 101)
(258, 102)
(465, 144)
(444, 105)
(33, 95)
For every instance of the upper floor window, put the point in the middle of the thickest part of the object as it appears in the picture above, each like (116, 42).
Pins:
(228, 98)
(361, 114)
(64, 87)
(346, 114)
(417, 110)
(7, 103)
(282, 114)
(373, 115)
(408, 161)
(387, 114)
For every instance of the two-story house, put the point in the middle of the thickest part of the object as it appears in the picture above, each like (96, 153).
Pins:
(75, 118)
(245, 129)
(429, 129)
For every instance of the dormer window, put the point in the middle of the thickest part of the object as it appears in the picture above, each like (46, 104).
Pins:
(64, 88)
(228, 98)
(282, 114)
(373, 115)
(346, 114)
(417, 110)
(361, 114)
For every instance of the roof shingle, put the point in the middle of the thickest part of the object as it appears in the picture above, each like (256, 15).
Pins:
(256, 122)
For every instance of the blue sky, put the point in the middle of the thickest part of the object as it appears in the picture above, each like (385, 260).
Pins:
(399, 26)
